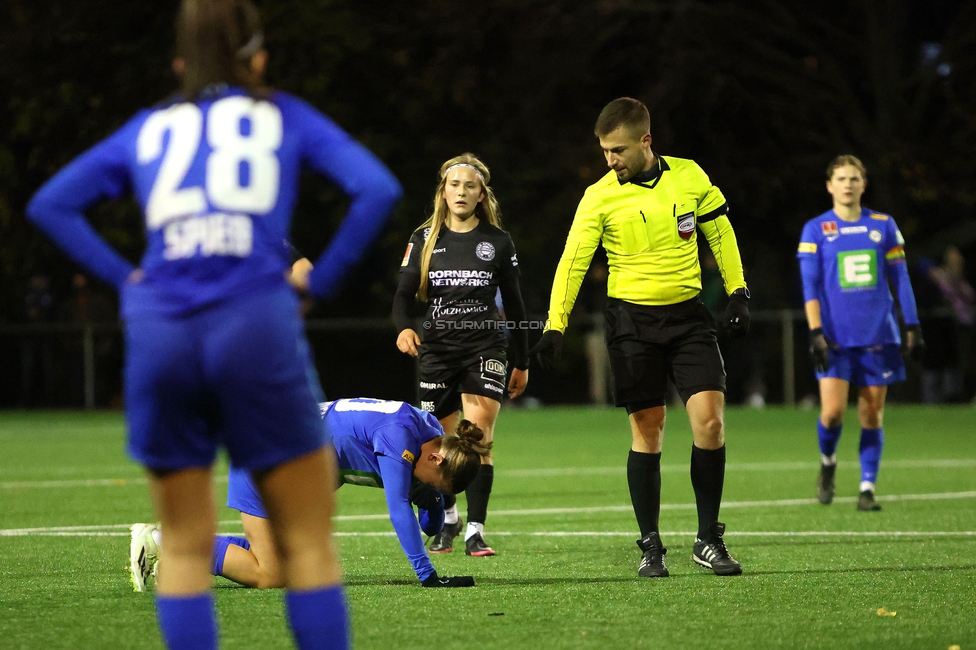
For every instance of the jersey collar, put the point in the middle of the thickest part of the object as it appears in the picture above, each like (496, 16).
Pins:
(649, 178)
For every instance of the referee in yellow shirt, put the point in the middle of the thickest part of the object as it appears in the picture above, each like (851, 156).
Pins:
(646, 211)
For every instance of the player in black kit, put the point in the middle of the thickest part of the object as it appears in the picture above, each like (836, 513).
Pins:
(456, 262)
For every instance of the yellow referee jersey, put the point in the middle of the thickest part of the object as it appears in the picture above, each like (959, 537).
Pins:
(648, 229)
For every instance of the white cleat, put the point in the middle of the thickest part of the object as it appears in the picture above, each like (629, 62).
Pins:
(143, 555)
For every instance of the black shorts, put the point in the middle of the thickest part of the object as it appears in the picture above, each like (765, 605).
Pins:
(443, 380)
(649, 344)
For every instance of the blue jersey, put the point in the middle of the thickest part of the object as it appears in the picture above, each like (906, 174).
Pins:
(377, 443)
(847, 267)
(365, 430)
(217, 180)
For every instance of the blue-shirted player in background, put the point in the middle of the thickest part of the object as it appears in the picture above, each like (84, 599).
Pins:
(215, 351)
(384, 444)
(848, 256)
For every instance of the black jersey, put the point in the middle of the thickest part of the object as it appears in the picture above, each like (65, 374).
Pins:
(466, 269)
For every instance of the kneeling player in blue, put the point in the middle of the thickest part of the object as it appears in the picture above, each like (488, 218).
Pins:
(847, 257)
(384, 444)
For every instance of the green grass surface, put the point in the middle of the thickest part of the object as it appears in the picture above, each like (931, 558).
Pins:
(814, 577)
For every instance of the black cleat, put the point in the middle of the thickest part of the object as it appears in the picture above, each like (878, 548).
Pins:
(443, 542)
(476, 547)
(825, 484)
(712, 554)
(866, 502)
(652, 563)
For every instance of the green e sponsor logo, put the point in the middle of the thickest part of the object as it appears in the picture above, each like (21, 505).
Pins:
(857, 269)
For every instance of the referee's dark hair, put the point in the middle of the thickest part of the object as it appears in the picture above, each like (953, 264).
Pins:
(625, 111)
(216, 40)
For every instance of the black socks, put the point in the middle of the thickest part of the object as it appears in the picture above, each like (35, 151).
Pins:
(707, 478)
(478, 493)
(644, 479)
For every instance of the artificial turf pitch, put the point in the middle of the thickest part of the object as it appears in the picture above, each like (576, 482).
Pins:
(566, 571)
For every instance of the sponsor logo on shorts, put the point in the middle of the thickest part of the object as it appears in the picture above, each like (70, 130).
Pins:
(407, 456)
(429, 385)
(493, 366)
(485, 251)
(427, 406)
(686, 225)
(495, 388)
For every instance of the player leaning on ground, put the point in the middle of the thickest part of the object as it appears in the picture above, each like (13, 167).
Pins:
(376, 443)
(456, 262)
(847, 257)
(215, 349)
(645, 212)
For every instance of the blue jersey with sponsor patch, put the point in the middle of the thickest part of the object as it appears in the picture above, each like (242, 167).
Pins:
(363, 430)
(847, 266)
(217, 180)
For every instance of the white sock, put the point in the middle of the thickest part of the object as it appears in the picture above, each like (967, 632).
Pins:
(867, 486)
(451, 515)
(828, 460)
(474, 528)
(157, 536)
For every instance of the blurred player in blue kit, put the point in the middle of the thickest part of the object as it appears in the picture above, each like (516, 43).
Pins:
(848, 255)
(215, 351)
(385, 444)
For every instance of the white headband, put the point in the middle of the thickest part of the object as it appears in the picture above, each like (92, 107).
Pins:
(476, 171)
(251, 47)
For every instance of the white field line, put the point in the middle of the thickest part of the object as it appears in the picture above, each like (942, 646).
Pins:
(577, 533)
(945, 463)
(113, 530)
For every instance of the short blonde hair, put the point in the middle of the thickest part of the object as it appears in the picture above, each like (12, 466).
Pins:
(843, 161)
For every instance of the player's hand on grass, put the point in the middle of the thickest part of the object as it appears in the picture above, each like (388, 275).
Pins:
(425, 496)
(408, 341)
(819, 349)
(517, 382)
(549, 348)
(737, 314)
(914, 343)
(458, 581)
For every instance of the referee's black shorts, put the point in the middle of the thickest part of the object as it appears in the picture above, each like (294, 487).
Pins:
(649, 344)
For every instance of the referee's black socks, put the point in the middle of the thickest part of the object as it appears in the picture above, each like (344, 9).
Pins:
(478, 493)
(707, 478)
(644, 479)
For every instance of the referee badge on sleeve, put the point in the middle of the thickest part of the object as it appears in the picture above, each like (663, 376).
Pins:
(686, 225)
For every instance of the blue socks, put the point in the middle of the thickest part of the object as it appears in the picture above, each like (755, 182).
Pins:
(828, 438)
(872, 440)
(219, 551)
(187, 622)
(319, 618)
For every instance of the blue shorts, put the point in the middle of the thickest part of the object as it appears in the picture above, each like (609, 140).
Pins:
(242, 491)
(238, 374)
(878, 365)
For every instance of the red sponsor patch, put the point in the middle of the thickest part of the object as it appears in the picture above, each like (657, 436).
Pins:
(686, 225)
(829, 228)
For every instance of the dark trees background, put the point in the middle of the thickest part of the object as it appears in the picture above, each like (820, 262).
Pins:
(761, 93)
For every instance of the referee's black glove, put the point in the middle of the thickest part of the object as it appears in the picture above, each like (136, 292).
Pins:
(819, 349)
(549, 348)
(737, 314)
(425, 496)
(914, 343)
(433, 580)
